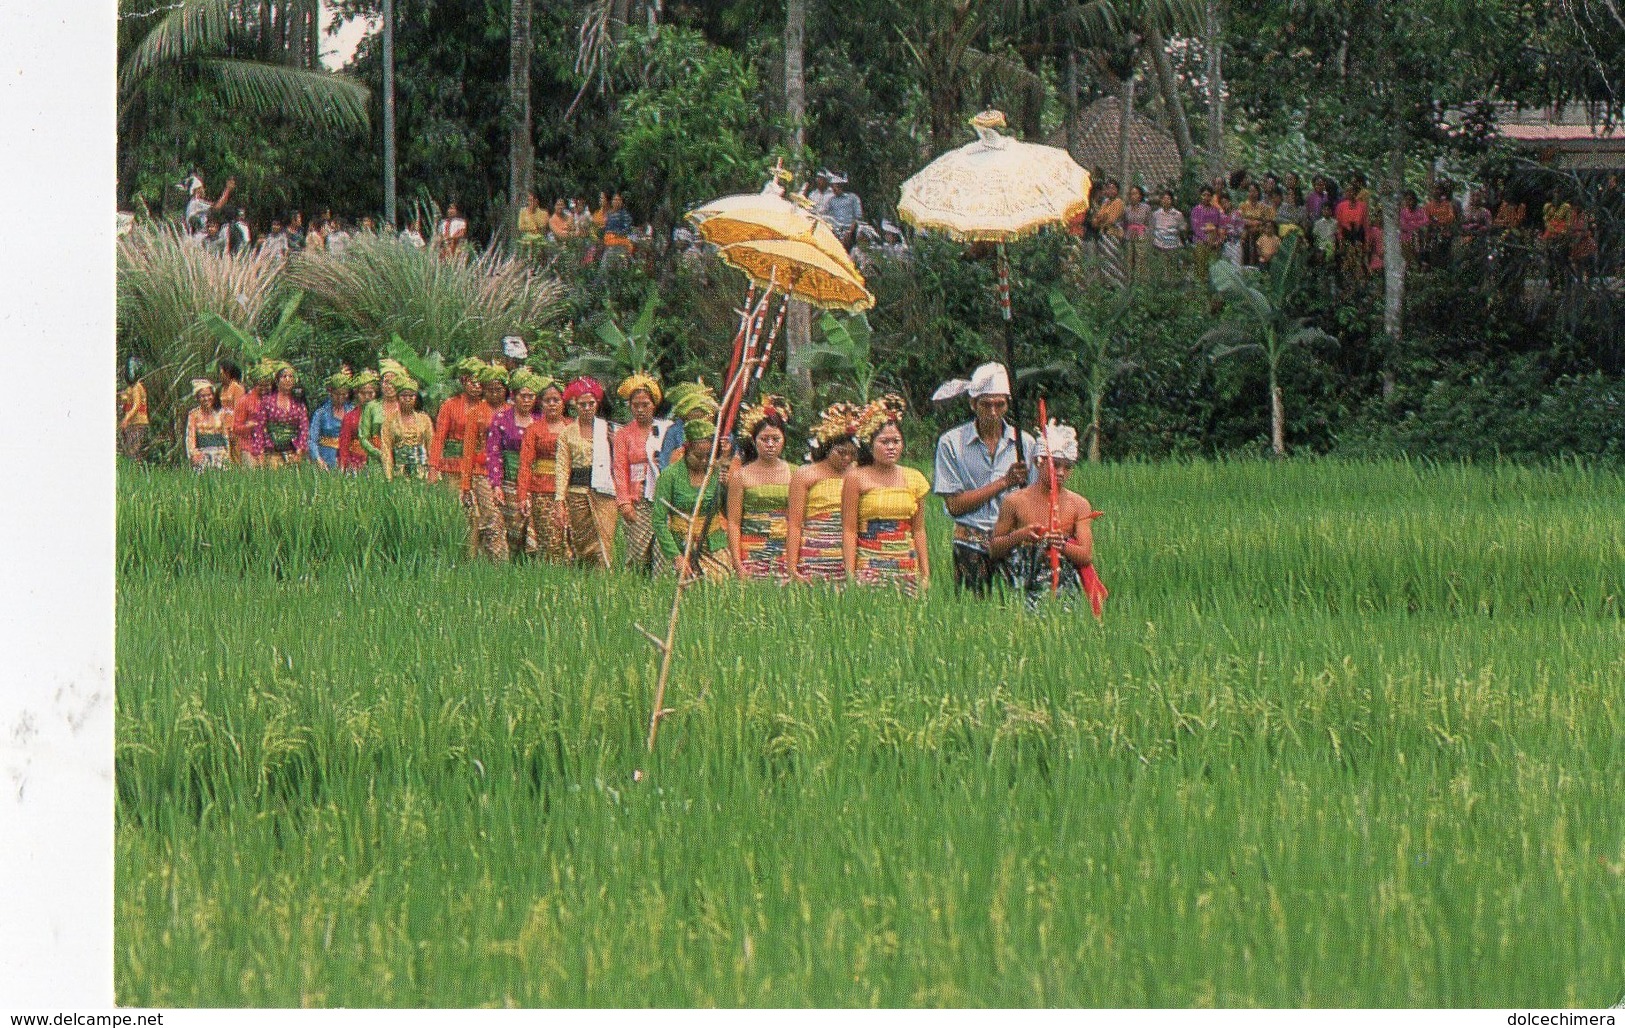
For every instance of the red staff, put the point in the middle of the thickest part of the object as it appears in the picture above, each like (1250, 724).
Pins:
(1054, 500)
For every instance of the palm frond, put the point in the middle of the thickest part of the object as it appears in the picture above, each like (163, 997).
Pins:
(315, 98)
(196, 28)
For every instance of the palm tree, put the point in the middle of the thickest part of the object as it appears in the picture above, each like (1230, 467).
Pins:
(204, 43)
(521, 154)
(1263, 327)
(1103, 357)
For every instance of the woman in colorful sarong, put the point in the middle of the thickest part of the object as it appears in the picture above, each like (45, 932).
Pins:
(406, 436)
(759, 493)
(248, 416)
(374, 414)
(882, 516)
(583, 476)
(676, 490)
(813, 527)
(325, 425)
(487, 534)
(635, 467)
(352, 456)
(503, 443)
(538, 462)
(208, 429)
(446, 454)
(285, 427)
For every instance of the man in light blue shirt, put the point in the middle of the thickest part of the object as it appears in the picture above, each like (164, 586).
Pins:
(843, 211)
(977, 463)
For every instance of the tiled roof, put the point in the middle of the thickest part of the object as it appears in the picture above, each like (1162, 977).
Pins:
(1153, 156)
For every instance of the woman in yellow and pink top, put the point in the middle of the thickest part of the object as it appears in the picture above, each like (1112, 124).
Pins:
(208, 429)
(759, 493)
(634, 468)
(133, 413)
(813, 528)
(882, 513)
(583, 477)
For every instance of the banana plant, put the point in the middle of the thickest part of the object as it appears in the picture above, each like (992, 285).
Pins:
(1102, 358)
(433, 377)
(846, 348)
(1261, 326)
(285, 337)
(625, 351)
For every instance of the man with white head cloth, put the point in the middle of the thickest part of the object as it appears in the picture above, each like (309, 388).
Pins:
(977, 463)
(1035, 522)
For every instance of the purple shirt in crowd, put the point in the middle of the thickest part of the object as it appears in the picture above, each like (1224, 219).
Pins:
(504, 435)
(1204, 218)
(1316, 203)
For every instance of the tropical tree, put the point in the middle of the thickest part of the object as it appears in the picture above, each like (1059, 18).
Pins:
(625, 350)
(1260, 326)
(220, 46)
(521, 151)
(846, 349)
(1103, 357)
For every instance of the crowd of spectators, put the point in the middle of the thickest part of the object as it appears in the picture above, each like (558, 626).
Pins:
(1245, 220)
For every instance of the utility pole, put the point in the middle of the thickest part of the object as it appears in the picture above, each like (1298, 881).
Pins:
(389, 114)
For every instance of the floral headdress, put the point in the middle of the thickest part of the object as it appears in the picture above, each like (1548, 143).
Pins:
(888, 410)
(838, 421)
(750, 417)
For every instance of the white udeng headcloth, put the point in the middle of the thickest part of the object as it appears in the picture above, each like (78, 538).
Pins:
(988, 380)
(1059, 439)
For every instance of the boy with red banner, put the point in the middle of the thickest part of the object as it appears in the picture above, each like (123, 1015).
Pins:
(1043, 532)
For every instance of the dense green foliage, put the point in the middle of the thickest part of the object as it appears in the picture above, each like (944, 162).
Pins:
(1348, 735)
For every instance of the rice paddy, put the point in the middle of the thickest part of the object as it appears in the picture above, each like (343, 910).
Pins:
(1349, 735)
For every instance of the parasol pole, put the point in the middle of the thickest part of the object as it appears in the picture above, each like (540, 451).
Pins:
(725, 410)
(746, 315)
(1004, 282)
(767, 351)
(1054, 501)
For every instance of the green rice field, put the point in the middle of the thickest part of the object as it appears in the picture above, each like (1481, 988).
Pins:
(1350, 734)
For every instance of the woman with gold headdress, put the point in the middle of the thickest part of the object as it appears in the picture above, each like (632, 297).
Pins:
(635, 469)
(406, 435)
(694, 548)
(538, 461)
(813, 526)
(759, 492)
(322, 440)
(248, 416)
(583, 476)
(286, 424)
(446, 454)
(486, 532)
(504, 442)
(364, 390)
(882, 516)
(208, 428)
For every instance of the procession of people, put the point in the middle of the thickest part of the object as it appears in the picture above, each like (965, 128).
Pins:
(544, 471)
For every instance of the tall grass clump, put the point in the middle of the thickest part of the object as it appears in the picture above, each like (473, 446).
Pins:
(165, 284)
(380, 287)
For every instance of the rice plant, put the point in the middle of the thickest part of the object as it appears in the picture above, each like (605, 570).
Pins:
(1349, 735)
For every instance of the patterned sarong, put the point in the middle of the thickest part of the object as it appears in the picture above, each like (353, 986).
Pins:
(886, 555)
(1029, 573)
(488, 516)
(639, 537)
(552, 543)
(712, 565)
(761, 544)
(587, 540)
(821, 557)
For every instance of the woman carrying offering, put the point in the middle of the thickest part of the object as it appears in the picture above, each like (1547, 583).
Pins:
(322, 439)
(538, 462)
(694, 548)
(759, 493)
(583, 477)
(504, 442)
(813, 528)
(485, 531)
(882, 516)
(352, 456)
(286, 423)
(636, 446)
(406, 436)
(208, 429)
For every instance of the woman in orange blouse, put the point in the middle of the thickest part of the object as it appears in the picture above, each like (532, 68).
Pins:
(446, 453)
(486, 532)
(538, 499)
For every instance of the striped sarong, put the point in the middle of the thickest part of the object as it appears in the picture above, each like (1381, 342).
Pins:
(886, 555)
(761, 544)
(821, 557)
(552, 542)
(639, 537)
(493, 536)
(587, 542)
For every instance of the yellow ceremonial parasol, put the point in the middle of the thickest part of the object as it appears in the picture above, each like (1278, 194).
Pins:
(995, 189)
(801, 271)
(749, 217)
